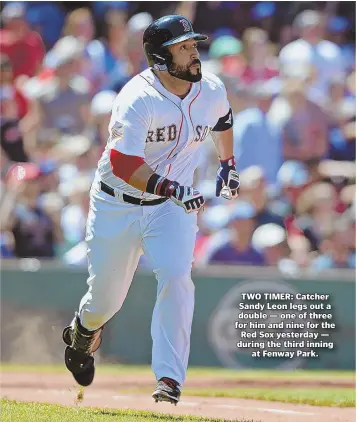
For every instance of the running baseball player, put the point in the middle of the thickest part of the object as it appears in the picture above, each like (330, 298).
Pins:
(142, 200)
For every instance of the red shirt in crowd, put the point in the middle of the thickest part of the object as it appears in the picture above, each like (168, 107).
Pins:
(25, 55)
(250, 76)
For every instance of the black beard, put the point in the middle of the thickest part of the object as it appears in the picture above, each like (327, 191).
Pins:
(184, 73)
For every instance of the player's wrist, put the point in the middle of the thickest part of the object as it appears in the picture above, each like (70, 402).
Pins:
(161, 186)
(228, 162)
(166, 187)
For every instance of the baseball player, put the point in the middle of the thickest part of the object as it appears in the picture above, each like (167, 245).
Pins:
(142, 200)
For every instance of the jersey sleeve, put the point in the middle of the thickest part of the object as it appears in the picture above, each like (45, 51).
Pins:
(223, 108)
(129, 125)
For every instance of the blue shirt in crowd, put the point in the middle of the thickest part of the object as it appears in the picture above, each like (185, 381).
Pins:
(326, 262)
(257, 141)
(228, 254)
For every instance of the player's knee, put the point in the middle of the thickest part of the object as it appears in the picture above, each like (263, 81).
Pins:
(176, 278)
(171, 271)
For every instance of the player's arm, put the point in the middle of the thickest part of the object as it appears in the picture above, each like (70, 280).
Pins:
(224, 143)
(137, 173)
(128, 131)
(227, 177)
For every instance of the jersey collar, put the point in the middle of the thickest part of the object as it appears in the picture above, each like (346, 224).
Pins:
(153, 80)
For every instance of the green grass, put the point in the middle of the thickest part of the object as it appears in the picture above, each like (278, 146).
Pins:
(332, 396)
(12, 411)
(341, 397)
(115, 369)
(337, 397)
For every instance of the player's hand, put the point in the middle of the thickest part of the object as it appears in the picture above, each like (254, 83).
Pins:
(227, 182)
(188, 198)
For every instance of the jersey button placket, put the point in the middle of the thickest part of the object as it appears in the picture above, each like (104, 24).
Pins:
(189, 126)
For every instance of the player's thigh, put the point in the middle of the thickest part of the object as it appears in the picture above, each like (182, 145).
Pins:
(113, 241)
(169, 240)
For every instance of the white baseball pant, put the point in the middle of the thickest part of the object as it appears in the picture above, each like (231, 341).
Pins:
(117, 234)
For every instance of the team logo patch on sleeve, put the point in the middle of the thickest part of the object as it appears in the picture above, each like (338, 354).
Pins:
(117, 130)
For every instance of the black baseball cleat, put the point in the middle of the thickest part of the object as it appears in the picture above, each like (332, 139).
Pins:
(78, 356)
(81, 366)
(167, 390)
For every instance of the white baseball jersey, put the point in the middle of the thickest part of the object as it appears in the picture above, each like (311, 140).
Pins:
(150, 122)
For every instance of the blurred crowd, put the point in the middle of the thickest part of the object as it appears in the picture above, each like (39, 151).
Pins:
(289, 70)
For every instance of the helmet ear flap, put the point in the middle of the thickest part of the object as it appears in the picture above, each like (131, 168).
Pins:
(163, 59)
(159, 59)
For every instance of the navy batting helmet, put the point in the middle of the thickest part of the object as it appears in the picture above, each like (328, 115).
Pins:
(163, 32)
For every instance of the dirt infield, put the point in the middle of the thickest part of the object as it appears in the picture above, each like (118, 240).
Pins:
(106, 393)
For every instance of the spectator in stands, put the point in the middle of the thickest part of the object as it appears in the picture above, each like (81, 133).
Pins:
(61, 99)
(136, 27)
(337, 99)
(33, 229)
(312, 49)
(263, 15)
(239, 95)
(305, 131)
(7, 83)
(261, 64)
(341, 110)
(226, 52)
(47, 18)
(334, 251)
(301, 255)
(297, 214)
(12, 145)
(208, 16)
(337, 27)
(43, 144)
(80, 25)
(270, 239)
(348, 217)
(289, 255)
(257, 139)
(76, 156)
(112, 50)
(74, 215)
(316, 211)
(100, 110)
(48, 178)
(6, 244)
(23, 46)
(238, 248)
(211, 233)
(132, 54)
(348, 195)
(253, 188)
(293, 179)
(102, 8)
(337, 173)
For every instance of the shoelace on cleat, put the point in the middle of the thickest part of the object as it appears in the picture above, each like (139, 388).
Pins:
(169, 382)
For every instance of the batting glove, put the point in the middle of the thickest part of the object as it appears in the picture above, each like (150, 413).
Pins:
(227, 182)
(188, 198)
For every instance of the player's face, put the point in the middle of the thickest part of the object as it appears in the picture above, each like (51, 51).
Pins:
(186, 63)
